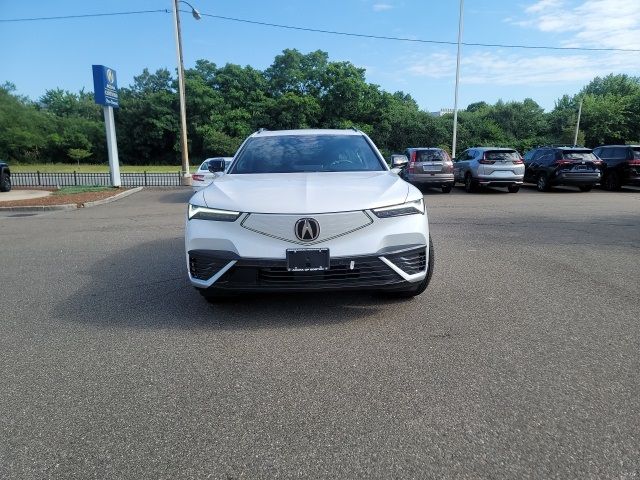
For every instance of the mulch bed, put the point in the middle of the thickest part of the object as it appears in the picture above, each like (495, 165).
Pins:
(75, 198)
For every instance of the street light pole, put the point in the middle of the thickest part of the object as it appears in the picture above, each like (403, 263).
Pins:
(455, 101)
(575, 138)
(186, 175)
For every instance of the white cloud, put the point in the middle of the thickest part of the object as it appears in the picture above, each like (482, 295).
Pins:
(381, 7)
(507, 68)
(587, 23)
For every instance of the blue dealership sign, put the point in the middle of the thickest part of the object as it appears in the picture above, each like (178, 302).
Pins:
(105, 86)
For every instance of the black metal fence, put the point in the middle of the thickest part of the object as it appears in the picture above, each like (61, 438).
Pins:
(142, 179)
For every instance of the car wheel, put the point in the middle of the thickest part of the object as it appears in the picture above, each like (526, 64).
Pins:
(612, 181)
(5, 182)
(446, 188)
(422, 286)
(513, 188)
(585, 188)
(470, 186)
(542, 183)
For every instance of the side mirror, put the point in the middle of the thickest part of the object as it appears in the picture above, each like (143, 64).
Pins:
(399, 161)
(216, 165)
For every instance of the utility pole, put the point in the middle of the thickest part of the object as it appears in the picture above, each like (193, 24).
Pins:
(455, 101)
(575, 138)
(184, 145)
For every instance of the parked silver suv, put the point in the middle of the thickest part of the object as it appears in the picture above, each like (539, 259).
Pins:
(489, 167)
(429, 167)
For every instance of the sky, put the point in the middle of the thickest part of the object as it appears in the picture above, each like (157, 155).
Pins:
(41, 55)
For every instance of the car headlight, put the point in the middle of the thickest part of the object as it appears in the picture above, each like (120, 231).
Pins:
(408, 208)
(203, 213)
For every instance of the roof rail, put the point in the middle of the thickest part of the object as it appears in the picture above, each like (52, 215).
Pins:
(354, 128)
(560, 145)
(262, 129)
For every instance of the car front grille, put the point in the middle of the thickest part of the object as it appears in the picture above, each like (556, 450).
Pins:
(367, 272)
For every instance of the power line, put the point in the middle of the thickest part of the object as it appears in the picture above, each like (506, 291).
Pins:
(417, 40)
(335, 32)
(87, 15)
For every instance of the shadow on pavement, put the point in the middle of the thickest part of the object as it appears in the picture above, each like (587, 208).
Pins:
(147, 287)
(176, 195)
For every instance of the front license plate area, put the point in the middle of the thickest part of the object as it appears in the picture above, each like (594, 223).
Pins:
(307, 259)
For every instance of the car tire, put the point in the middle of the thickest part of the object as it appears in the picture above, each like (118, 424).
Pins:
(585, 188)
(5, 182)
(422, 286)
(470, 186)
(447, 188)
(513, 188)
(542, 183)
(611, 182)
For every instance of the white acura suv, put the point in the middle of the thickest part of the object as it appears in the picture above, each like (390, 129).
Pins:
(308, 210)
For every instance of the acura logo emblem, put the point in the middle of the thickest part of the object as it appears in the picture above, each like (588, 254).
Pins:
(307, 229)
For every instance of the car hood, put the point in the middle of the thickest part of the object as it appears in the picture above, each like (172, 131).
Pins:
(315, 192)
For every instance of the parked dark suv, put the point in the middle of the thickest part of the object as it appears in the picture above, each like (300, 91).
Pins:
(621, 165)
(550, 166)
(429, 167)
(5, 177)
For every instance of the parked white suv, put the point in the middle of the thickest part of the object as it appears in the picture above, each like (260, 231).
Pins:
(489, 167)
(304, 210)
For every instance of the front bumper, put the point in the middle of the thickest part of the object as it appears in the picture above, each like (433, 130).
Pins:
(390, 269)
(246, 259)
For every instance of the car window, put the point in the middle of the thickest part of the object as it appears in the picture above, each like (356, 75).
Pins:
(501, 155)
(636, 152)
(578, 155)
(619, 153)
(430, 155)
(306, 153)
(205, 165)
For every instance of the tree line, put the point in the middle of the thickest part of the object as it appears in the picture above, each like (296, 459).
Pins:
(227, 103)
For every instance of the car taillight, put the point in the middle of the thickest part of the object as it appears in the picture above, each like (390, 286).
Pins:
(447, 166)
(197, 178)
(563, 162)
(634, 162)
(485, 161)
(412, 162)
(519, 161)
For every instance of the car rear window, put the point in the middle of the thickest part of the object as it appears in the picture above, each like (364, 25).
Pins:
(636, 153)
(578, 155)
(306, 153)
(431, 155)
(501, 155)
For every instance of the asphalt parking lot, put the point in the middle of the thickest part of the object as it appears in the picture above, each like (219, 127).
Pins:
(521, 360)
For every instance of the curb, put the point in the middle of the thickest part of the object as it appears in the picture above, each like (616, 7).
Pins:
(115, 197)
(71, 206)
(38, 208)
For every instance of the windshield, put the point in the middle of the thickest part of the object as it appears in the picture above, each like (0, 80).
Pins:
(502, 155)
(579, 155)
(306, 153)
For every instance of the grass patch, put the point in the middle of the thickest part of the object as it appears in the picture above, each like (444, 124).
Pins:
(80, 189)
(89, 168)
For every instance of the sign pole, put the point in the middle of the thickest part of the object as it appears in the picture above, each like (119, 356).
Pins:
(112, 146)
(105, 92)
